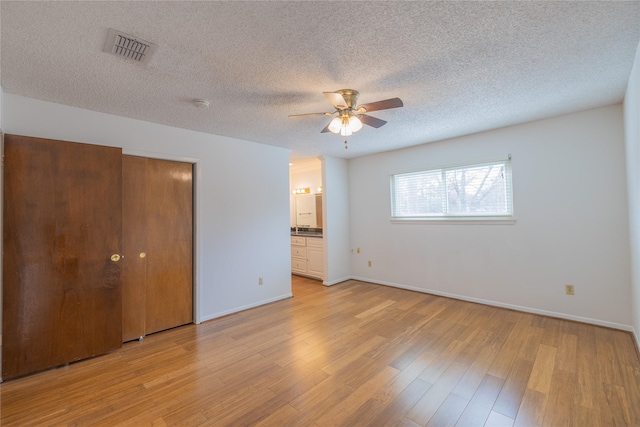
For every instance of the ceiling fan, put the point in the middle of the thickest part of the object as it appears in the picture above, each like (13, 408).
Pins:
(349, 115)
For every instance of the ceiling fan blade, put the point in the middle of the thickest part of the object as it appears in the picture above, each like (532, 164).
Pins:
(371, 121)
(380, 105)
(336, 100)
(295, 116)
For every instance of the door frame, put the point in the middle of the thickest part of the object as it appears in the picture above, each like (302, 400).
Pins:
(195, 162)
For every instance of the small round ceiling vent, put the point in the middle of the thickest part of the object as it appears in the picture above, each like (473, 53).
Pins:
(201, 103)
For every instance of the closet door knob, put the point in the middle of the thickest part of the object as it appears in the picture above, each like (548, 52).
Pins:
(115, 257)
(142, 255)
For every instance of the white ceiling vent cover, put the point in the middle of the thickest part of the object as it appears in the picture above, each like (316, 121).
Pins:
(126, 46)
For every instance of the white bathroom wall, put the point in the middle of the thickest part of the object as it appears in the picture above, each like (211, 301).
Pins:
(241, 189)
(335, 175)
(632, 140)
(570, 203)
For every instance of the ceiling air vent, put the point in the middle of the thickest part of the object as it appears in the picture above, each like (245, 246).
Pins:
(126, 46)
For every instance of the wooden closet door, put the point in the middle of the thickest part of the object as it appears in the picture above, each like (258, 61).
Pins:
(169, 244)
(62, 224)
(134, 243)
(158, 222)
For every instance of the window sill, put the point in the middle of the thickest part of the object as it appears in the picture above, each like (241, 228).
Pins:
(486, 220)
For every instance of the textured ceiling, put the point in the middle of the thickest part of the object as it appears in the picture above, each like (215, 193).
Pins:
(459, 67)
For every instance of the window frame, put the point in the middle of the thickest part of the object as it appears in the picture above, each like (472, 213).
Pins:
(457, 218)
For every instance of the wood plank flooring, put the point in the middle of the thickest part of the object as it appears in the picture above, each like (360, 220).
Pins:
(354, 354)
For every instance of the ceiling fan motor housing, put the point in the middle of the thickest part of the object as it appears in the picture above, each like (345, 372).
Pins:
(350, 97)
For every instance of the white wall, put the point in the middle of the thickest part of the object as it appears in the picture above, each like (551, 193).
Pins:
(241, 196)
(632, 138)
(571, 210)
(335, 176)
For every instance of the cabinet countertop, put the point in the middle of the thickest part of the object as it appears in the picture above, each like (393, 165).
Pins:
(306, 234)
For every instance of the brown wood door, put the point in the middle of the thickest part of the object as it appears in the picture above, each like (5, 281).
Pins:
(134, 243)
(62, 222)
(157, 242)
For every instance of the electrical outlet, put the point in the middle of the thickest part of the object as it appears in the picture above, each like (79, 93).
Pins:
(260, 281)
(369, 263)
(569, 290)
(358, 250)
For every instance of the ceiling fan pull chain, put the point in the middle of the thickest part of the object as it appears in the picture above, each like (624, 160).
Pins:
(345, 144)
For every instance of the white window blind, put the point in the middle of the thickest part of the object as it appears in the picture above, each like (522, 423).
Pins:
(469, 191)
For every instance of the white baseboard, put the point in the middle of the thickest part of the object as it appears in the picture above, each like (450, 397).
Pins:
(524, 309)
(335, 282)
(245, 307)
(565, 316)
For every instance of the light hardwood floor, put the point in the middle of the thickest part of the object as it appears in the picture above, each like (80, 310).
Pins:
(354, 354)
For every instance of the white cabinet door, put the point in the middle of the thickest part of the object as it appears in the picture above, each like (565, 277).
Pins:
(315, 262)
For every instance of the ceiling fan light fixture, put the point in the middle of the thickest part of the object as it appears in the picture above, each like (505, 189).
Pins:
(335, 125)
(345, 129)
(354, 123)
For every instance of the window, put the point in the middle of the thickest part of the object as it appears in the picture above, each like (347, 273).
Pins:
(478, 191)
